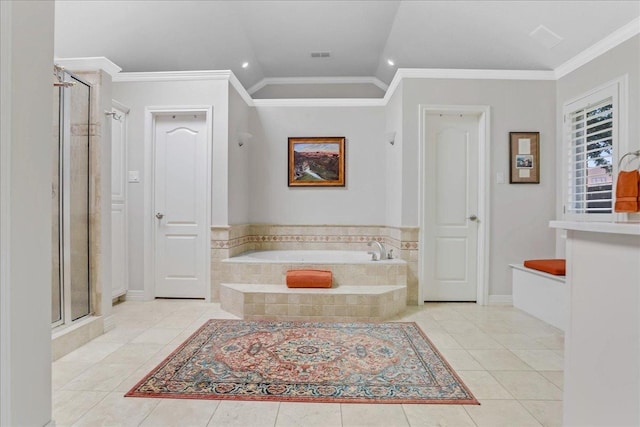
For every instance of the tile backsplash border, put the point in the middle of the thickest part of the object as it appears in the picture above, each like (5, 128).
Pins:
(231, 240)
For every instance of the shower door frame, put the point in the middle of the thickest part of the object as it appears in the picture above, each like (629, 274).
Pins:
(64, 201)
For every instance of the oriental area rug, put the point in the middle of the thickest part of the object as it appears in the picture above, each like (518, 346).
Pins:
(306, 362)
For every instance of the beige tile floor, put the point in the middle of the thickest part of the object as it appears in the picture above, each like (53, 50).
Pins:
(510, 361)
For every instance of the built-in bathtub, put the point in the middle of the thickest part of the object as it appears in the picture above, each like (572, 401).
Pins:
(348, 267)
(313, 256)
(253, 286)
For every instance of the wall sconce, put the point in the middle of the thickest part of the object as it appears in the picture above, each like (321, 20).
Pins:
(243, 138)
(390, 137)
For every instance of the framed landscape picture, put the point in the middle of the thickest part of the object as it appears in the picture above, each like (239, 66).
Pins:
(316, 162)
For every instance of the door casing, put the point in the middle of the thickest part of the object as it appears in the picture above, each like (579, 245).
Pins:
(151, 113)
(119, 202)
(484, 180)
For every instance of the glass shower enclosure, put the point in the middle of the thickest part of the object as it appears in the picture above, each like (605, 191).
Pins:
(70, 201)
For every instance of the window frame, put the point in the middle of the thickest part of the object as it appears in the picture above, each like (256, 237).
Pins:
(614, 90)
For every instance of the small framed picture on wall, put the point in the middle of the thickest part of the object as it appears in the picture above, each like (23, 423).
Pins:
(524, 155)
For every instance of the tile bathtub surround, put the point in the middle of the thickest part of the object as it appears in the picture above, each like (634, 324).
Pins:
(341, 304)
(84, 395)
(229, 241)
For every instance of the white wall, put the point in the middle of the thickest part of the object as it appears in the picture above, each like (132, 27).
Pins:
(362, 201)
(26, 327)
(623, 60)
(239, 173)
(393, 155)
(519, 213)
(351, 90)
(138, 95)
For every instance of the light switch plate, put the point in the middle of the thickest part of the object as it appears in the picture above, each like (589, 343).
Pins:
(500, 178)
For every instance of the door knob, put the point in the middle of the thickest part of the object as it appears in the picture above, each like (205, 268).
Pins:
(473, 218)
(159, 215)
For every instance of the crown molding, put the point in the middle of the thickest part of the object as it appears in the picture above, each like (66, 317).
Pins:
(446, 73)
(244, 94)
(619, 36)
(172, 76)
(451, 73)
(89, 64)
(168, 76)
(320, 102)
(316, 80)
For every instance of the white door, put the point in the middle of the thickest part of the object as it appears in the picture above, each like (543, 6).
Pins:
(451, 208)
(119, 235)
(180, 205)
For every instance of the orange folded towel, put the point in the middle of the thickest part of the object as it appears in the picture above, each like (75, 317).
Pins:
(627, 189)
(309, 279)
(557, 267)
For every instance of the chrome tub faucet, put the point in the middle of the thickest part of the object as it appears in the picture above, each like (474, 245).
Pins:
(382, 253)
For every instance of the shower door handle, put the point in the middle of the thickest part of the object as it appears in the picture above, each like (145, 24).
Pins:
(159, 215)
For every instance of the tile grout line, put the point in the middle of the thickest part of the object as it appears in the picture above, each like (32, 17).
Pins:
(275, 421)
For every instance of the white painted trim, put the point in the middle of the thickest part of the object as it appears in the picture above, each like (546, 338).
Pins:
(320, 102)
(540, 273)
(172, 76)
(5, 202)
(452, 73)
(135, 295)
(500, 300)
(124, 201)
(120, 106)
(484, 196)
(147, 221)
(316, 81)
(89, 64)
(240, 89)
(395, 82)
(619, 36)
(148, 217)
(469, 74)
(617, 89)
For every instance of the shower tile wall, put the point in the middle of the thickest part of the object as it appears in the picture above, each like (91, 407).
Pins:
(232, 240)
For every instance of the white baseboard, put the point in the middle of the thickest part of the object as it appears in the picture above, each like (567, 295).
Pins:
(135, 295)
(500, 299)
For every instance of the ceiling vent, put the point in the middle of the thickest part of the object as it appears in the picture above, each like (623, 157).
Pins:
(546, 37)
(321, 54)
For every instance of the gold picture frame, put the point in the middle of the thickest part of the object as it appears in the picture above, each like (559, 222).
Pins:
(317, 161)
(524, 155)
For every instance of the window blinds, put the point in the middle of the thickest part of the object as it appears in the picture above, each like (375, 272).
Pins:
(590, 159)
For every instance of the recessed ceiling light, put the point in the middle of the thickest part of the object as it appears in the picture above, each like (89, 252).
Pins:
(391, 62)
(245, 65)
